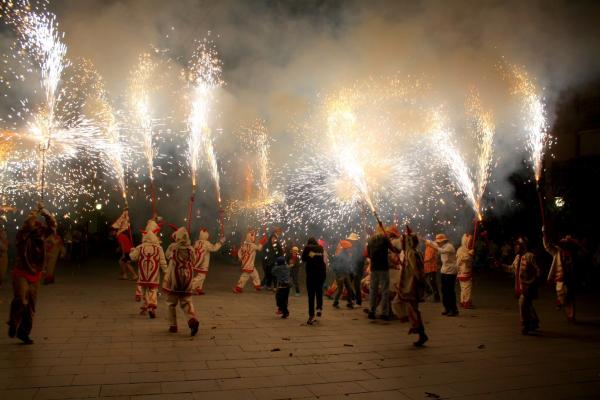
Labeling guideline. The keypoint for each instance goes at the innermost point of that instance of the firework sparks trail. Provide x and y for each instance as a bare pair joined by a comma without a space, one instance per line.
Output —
205,78
41,39
484,130
140,100
534,116
265,205
341,126
140,97
452,159
262,144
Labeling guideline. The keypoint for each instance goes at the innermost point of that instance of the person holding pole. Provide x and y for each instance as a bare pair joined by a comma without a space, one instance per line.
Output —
448,271
527,275
562,272
464,261
377,248
29,265
203,247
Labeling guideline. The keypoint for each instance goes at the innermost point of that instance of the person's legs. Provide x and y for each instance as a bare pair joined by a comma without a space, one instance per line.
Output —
172,300
349,289
145,296
131,270
319,296
278,298
310,290
446,281
465,293
285,293
375,277
385,292
138,292
18,304
255,279
294,275
185,302
242,282
23,308
339,281
452,294
433,276
357,288
152,301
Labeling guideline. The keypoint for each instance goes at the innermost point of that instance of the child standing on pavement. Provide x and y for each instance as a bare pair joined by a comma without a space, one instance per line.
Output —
281,271
294,263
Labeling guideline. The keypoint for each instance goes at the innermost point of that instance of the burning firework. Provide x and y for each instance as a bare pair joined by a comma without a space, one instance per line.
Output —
534,117
140,97
204,78
483,123
41,40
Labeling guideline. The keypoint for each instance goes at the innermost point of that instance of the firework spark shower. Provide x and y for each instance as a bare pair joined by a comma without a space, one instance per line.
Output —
359,105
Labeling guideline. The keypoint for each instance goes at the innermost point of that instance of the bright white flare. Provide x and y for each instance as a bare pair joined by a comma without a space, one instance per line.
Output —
204,78
534,116
140,97
483,122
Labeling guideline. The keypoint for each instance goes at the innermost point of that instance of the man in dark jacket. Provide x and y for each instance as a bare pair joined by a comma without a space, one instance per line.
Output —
272,251
312,256
377,248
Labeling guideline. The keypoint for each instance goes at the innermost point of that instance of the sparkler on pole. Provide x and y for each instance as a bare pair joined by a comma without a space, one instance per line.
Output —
140,100
340,128
40,38
204,78
536,127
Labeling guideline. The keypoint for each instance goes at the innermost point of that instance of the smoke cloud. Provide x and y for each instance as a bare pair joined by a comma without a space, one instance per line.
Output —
281,57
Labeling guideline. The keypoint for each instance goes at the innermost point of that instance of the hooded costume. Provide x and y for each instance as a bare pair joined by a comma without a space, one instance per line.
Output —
29,265
247,256
202,249
150,260
464,262
411,288
153,227
54,250
527,275
177,282
562,272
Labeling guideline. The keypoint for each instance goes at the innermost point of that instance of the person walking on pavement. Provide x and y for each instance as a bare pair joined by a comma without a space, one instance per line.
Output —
448,271
314,262
378,248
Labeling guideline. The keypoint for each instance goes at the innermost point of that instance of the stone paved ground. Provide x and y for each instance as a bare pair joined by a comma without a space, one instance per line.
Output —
90,342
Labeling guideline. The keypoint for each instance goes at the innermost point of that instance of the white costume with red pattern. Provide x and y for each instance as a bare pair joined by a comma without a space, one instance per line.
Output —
203,248
150,260
177,282
247,256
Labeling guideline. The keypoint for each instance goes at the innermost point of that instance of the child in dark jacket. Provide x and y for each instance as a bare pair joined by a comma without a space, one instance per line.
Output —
281,272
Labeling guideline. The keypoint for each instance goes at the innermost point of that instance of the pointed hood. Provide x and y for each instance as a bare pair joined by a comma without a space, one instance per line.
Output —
182,237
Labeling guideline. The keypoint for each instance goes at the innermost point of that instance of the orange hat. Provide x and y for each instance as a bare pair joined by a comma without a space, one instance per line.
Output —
393,231
345,244
440,237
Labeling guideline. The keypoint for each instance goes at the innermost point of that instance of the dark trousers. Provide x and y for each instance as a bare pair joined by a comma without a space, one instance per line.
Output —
294,277
22,308
448,292
431,278
314,288
268,279
356,278
343,280
281,298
